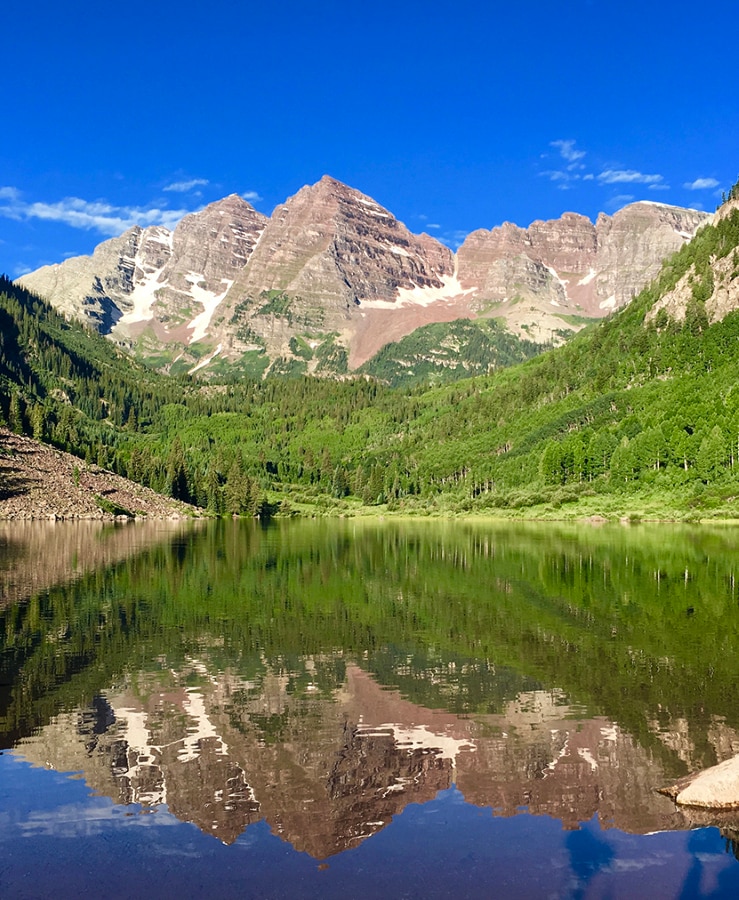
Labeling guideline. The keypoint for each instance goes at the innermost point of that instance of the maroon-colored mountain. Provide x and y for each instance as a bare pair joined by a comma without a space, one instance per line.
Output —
331,277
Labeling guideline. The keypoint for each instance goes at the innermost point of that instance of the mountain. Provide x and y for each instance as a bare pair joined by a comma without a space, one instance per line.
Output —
150,287
538,278
339,769
332,277
637,415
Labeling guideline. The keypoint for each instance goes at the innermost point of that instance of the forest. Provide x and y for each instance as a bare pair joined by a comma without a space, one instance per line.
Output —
635,416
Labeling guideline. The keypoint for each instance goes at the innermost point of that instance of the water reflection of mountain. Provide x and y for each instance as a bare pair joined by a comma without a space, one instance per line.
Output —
328,771
635,629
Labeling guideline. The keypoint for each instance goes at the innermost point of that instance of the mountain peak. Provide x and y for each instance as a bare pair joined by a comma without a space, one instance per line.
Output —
231,202
332,275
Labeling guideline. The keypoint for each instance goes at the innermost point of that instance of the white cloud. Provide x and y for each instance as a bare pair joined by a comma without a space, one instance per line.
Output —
563,180
567,150
88,215
251,196
557,175
701,184
659,187
182,187
425,219
627,176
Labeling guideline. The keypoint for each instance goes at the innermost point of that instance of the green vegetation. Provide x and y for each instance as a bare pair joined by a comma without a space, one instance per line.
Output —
634,416
449,351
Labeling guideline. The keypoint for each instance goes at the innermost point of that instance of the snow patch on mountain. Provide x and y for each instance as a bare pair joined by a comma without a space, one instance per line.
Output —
422,296
142,298
557,277
209,302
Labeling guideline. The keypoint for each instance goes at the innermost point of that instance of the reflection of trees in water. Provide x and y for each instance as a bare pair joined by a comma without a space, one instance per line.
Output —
731,836
460,617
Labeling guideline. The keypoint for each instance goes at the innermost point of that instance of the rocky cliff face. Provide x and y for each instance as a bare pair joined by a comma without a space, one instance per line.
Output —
327,257
332,277
169,283
538,278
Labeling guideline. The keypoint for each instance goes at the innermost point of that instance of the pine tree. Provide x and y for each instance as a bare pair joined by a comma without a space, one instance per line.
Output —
15,413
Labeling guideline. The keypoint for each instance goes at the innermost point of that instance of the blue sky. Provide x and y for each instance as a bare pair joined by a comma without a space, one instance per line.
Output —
454,116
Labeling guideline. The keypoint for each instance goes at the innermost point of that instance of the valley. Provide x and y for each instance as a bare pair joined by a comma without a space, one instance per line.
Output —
634,417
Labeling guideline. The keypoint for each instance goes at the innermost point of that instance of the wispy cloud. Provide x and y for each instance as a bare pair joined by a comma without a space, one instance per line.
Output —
627,176
183,187
563,180
575,170
252,196
570,173
701,184
87,215
567,150
425,224
619,200
453,239
659,187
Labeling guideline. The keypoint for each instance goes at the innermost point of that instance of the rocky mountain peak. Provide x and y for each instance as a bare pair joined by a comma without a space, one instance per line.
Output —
334,246
332,276
539,278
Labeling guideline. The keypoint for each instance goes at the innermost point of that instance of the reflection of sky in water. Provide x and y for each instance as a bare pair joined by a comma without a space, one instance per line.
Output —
442,848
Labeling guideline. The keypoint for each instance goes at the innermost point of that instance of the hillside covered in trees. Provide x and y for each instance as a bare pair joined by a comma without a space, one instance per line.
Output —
638,415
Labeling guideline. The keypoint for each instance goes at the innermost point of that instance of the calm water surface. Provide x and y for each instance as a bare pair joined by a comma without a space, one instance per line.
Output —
363,709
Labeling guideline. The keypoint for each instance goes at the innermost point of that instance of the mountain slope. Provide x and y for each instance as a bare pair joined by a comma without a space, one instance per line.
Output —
449,351
332,277
152,288
569,266
632,416
38,482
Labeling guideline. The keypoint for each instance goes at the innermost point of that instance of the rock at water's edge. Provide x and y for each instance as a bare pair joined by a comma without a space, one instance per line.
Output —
714,788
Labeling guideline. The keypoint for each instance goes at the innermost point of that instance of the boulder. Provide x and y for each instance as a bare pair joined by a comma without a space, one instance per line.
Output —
714,788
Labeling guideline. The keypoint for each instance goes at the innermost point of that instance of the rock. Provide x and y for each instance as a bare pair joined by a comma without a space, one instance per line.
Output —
152,277
539,275
332,276
716,788
41,483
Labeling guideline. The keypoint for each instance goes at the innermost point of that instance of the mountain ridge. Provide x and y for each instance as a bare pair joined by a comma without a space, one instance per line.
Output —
331,277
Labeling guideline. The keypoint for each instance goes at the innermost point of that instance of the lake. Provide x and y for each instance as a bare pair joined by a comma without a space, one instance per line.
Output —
364,709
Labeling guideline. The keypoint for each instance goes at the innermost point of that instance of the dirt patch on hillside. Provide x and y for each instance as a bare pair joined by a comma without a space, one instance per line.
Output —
39,482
